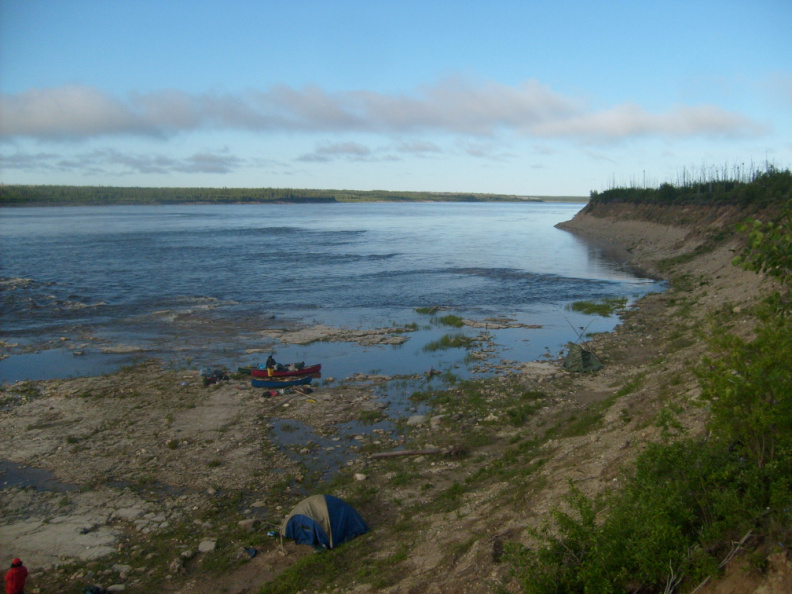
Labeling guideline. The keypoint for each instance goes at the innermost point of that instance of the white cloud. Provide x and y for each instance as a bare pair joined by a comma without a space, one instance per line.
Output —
327,152
453,106
418,147
65,111
108,161
630,120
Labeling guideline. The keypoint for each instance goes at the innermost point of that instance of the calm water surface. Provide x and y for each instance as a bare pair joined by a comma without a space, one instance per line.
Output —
195,284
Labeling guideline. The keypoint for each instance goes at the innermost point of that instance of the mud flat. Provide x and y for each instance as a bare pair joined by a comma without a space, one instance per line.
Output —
90,464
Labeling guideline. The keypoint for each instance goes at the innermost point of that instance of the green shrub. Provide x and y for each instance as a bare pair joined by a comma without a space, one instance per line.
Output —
749,389
684,503
673,519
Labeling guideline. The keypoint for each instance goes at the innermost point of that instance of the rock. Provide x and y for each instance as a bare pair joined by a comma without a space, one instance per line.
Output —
416,420
259,504
155,517
129,513
117,588
248,525
177,565
360,476
207,546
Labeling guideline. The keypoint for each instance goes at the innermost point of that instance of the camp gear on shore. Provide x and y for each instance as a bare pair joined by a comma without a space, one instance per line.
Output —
323,521
212,376
289,371
580,360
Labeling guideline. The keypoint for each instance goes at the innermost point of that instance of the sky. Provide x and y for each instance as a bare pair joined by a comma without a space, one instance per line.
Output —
531,98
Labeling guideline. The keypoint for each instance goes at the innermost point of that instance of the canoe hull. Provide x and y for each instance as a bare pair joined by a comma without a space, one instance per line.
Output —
284,383
264,373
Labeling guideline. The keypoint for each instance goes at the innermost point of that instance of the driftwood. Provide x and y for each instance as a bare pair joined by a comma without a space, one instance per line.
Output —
736,548
405,453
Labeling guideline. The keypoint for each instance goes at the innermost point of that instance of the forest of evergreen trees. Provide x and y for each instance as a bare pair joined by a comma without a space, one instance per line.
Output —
755,188
19,195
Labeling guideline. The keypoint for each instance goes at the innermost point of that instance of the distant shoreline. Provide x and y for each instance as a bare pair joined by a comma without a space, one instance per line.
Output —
45,196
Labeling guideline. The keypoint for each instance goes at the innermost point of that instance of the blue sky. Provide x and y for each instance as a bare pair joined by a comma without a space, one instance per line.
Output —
527,98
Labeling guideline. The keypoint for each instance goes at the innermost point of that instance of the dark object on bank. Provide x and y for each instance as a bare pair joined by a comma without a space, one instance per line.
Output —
580,360
212,376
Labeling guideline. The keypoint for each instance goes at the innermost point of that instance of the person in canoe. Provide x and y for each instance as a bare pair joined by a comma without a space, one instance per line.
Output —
271,365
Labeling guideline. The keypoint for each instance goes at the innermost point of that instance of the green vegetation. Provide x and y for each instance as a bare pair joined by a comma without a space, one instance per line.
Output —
369,417
769,251
314,572
685,503
727,185
427,310
603,307
450,341
449,499
528,403
451,320
17,195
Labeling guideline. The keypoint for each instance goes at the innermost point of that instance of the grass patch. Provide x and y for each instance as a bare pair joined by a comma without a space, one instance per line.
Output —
517,462
530,403
603,307
450,499
477,439
369,417
631,385
451,320
404,476
450,341
314,572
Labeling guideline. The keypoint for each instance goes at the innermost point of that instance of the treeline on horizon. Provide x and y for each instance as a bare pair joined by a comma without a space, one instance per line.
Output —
725,186
24,195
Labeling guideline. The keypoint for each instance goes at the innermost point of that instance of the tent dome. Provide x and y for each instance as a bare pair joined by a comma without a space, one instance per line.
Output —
323,520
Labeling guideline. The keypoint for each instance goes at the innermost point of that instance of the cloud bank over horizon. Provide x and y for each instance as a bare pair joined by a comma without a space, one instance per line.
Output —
525,98
454,107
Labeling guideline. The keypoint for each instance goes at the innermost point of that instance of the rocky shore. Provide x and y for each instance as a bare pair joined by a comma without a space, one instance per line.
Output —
154,480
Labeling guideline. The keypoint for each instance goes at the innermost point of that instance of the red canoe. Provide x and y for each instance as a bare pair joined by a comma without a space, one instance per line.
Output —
286,372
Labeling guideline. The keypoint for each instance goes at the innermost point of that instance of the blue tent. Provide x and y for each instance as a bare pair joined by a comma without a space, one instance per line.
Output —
323,520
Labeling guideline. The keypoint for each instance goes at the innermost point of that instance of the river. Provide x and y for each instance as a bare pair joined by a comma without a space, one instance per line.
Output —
86,289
